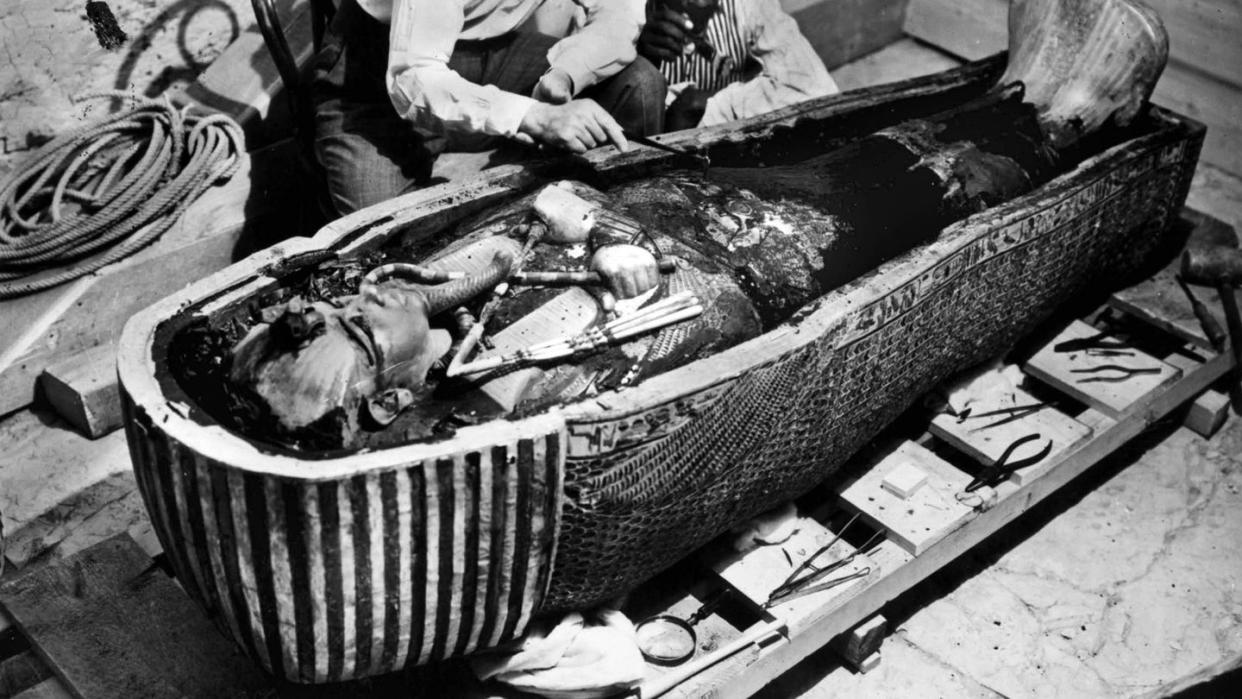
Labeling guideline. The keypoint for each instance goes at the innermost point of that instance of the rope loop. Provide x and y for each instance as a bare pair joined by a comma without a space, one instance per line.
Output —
101,192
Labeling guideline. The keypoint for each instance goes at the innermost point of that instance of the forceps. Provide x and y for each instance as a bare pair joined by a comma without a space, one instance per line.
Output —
795,587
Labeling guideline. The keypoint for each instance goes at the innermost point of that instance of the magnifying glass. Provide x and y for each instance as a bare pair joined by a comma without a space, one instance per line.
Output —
665,639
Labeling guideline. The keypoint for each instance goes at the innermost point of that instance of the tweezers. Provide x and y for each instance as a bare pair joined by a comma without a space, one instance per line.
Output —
1125,372
1003,468
795,587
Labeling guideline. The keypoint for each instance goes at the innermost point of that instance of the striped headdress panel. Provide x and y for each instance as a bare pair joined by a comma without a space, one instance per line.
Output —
725,33
345,578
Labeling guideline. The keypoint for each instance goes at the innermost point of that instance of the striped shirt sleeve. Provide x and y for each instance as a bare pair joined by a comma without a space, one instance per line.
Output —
791,71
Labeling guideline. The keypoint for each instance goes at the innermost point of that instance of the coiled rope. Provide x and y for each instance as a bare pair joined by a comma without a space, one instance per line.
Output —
100,193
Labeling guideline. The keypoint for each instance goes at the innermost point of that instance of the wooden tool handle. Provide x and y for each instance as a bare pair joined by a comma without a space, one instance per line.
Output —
1229,301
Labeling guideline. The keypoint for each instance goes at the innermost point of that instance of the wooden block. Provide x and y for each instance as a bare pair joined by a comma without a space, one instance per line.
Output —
112,624
1210,409
1057,369
905,480
759,571
929,515
986,444
82,389
47,689
860,646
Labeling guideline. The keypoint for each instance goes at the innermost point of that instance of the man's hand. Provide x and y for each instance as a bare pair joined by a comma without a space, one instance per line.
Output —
664,35
577,126
628,269
555,87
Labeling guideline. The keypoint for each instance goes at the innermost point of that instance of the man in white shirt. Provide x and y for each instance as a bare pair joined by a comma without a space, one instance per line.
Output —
397,80
747,58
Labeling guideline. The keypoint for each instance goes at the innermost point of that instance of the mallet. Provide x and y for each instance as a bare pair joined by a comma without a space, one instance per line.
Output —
1221,267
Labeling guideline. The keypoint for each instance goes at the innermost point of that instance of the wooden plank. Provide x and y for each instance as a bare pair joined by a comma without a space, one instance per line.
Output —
900,571
21,672
928,516
757,572
974,29
44,462
1064,371
82,389
111,624
986,445
98,512
47,689
251,207
843,30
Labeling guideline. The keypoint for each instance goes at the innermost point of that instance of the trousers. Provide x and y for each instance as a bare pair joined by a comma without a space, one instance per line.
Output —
370,154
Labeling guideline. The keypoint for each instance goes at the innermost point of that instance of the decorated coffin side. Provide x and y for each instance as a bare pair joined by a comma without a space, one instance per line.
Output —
344,564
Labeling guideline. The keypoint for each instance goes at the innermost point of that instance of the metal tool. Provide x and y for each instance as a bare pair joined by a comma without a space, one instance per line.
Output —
799,585
1003,468
1100,340
1007,415
1124,373
665,639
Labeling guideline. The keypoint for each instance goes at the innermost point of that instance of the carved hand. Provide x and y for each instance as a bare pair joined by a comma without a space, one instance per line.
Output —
629,269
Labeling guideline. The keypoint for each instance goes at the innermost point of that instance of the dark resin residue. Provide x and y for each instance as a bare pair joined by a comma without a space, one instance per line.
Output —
753,244
107,31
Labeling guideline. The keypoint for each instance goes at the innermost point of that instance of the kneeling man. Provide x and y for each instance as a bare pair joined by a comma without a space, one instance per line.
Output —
398,81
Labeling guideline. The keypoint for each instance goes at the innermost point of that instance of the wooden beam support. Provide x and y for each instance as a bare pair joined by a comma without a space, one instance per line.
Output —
110,623
860,646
